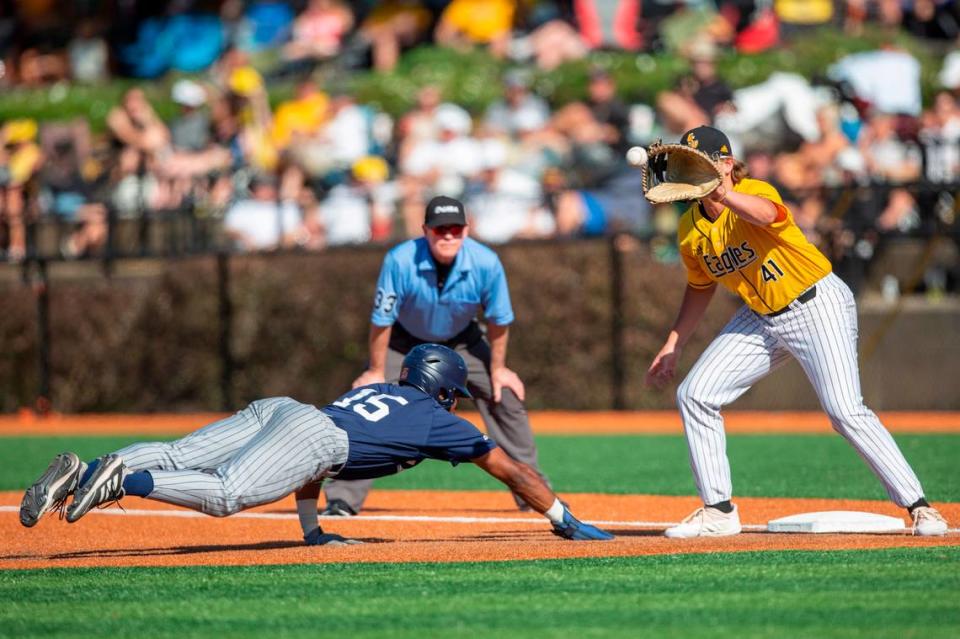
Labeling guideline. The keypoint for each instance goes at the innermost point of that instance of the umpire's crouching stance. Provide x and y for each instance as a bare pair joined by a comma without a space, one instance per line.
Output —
277,446
430,290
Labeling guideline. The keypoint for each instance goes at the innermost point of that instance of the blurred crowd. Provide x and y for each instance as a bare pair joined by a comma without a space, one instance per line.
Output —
322,169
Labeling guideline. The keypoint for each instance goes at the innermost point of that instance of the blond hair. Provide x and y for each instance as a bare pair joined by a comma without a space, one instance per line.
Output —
740,171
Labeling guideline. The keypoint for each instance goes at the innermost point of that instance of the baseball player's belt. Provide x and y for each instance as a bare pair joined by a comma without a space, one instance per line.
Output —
403,341
803,298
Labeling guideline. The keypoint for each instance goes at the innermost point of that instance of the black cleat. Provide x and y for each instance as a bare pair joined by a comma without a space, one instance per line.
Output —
338,508
104,486
50,492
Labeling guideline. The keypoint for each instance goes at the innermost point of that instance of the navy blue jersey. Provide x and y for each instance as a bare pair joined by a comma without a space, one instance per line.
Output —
393,427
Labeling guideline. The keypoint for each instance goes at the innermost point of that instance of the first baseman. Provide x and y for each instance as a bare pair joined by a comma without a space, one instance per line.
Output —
278,446
430,290
742,236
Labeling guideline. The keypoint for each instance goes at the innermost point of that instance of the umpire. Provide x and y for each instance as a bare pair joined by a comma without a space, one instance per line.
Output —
430,290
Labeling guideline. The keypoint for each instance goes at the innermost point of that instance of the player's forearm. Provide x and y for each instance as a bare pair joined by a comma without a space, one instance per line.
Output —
498,336
307,507
524,481
521,479
379,341
756,210
692,309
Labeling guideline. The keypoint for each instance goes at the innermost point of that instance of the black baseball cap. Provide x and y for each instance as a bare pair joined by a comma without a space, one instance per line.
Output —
711,141
443,210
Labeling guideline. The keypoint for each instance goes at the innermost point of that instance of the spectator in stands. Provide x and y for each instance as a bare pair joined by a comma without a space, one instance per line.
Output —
931,20
437,166
940,139
891,161
391,27
505,202
518,104
20,160
43,62
190,130
362,208
549,35
602,194
815,162
267,219
613,206
420,123
301,118
753,24
890,14
343,137
134,125
88,54
248,102
466,23
193,155
69,198
607,108
796,16
319,32
699,96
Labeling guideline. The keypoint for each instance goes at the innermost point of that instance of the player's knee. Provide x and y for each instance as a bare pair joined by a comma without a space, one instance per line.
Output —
223,507
687,393
847,416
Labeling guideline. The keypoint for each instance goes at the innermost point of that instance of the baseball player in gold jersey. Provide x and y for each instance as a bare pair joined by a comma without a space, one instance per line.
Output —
744,238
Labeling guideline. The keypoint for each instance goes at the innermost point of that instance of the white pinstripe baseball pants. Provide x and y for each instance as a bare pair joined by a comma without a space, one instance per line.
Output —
822,336
256,456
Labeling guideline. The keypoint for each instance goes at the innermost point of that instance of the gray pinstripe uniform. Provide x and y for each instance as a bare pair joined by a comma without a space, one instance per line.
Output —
259,455
822,335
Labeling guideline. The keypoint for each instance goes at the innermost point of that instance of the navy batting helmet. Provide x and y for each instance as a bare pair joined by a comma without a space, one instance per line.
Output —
436,370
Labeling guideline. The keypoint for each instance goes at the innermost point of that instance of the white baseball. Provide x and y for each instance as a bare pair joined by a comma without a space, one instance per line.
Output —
637,156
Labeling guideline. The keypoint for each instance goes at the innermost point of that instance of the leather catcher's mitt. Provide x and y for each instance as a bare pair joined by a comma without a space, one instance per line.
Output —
676,172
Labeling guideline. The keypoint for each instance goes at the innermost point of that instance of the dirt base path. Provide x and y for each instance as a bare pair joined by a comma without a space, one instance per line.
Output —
405,526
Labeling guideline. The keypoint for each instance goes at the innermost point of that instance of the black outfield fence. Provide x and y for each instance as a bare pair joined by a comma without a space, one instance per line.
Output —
214,331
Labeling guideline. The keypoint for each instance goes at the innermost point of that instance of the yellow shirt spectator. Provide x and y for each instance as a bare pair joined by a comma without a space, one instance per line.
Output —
303,116
804,11
482,21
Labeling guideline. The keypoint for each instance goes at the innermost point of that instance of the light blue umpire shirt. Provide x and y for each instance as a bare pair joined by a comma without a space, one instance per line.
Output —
407,290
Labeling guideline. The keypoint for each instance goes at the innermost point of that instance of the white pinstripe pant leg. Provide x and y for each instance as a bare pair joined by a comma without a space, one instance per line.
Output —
206,448
743,353
295,446
822,334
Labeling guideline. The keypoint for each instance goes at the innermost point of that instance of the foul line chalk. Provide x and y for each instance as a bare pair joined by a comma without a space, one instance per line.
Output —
538,521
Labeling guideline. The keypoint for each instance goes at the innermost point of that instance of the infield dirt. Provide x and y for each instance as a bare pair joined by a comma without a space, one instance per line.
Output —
407,526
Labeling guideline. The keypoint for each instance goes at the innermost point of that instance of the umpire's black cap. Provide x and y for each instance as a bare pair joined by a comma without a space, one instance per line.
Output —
443,210
711,141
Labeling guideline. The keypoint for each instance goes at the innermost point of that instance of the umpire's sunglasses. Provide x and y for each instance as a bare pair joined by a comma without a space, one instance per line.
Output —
456,230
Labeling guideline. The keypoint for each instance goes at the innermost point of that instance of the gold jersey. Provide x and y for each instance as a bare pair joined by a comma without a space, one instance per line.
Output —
767,266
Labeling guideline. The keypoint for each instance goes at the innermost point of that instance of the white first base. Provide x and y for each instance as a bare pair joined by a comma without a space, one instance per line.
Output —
836,521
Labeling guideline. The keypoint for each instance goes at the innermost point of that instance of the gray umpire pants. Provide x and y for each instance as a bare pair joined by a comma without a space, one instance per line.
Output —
506,422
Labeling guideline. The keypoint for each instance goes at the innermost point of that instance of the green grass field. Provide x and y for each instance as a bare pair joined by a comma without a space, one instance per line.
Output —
763,465
879,593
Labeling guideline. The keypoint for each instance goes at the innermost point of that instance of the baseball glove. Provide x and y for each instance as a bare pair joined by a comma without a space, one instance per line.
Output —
675,172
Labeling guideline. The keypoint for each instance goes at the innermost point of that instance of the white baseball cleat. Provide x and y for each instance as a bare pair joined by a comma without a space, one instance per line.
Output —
927,522
706,522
